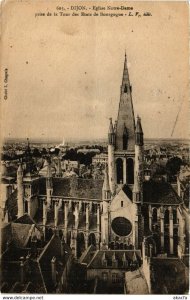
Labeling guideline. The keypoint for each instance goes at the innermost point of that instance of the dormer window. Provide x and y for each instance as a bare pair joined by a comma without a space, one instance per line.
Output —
125,89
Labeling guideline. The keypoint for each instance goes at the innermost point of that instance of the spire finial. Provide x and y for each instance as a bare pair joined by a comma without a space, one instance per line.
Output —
125,57
111,130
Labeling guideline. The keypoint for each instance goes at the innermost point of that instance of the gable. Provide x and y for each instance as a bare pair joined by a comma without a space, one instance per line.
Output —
122,206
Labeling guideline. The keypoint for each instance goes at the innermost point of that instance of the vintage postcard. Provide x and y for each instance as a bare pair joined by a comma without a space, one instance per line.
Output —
94,148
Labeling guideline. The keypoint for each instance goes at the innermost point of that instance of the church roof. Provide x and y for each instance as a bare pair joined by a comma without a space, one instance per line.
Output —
159,193
75,188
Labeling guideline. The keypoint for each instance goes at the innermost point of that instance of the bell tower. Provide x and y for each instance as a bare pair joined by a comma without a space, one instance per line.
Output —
125,170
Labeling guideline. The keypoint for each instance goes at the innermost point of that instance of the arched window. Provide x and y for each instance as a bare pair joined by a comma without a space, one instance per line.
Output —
166,217
92,240
154,215
175,216
119,168
68,238
125,139
60,234
130,171
26,206
80,244
175,237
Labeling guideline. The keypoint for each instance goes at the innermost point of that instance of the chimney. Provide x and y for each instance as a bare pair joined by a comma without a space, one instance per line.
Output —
53,270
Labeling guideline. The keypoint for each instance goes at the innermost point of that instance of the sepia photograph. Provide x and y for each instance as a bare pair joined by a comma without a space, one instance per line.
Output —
94,148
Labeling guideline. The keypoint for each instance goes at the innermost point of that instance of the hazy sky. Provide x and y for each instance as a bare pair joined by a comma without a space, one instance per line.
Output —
65,72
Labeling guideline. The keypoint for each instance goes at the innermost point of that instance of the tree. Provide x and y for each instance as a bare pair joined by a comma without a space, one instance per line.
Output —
173,165
36,152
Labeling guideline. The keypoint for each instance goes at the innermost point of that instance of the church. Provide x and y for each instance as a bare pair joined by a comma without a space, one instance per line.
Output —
115,213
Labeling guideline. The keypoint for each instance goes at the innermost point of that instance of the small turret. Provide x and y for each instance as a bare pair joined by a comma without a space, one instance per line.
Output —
58,168
49,184
138,171
111,163
115,126
49,172
106,187
20,191
139,133
106,197
19,172
111,134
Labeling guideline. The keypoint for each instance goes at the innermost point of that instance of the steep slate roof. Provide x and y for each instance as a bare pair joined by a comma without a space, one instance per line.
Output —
96,262
169,276
38,269
159,193
21,233
26,219
10,272
127,191
53,249
74,187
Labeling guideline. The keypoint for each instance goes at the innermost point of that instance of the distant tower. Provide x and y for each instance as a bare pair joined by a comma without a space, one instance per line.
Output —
49,184
106,197
20,191
111,160
138,185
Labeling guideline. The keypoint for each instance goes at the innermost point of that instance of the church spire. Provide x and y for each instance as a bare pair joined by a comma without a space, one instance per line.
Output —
125,117
125,79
